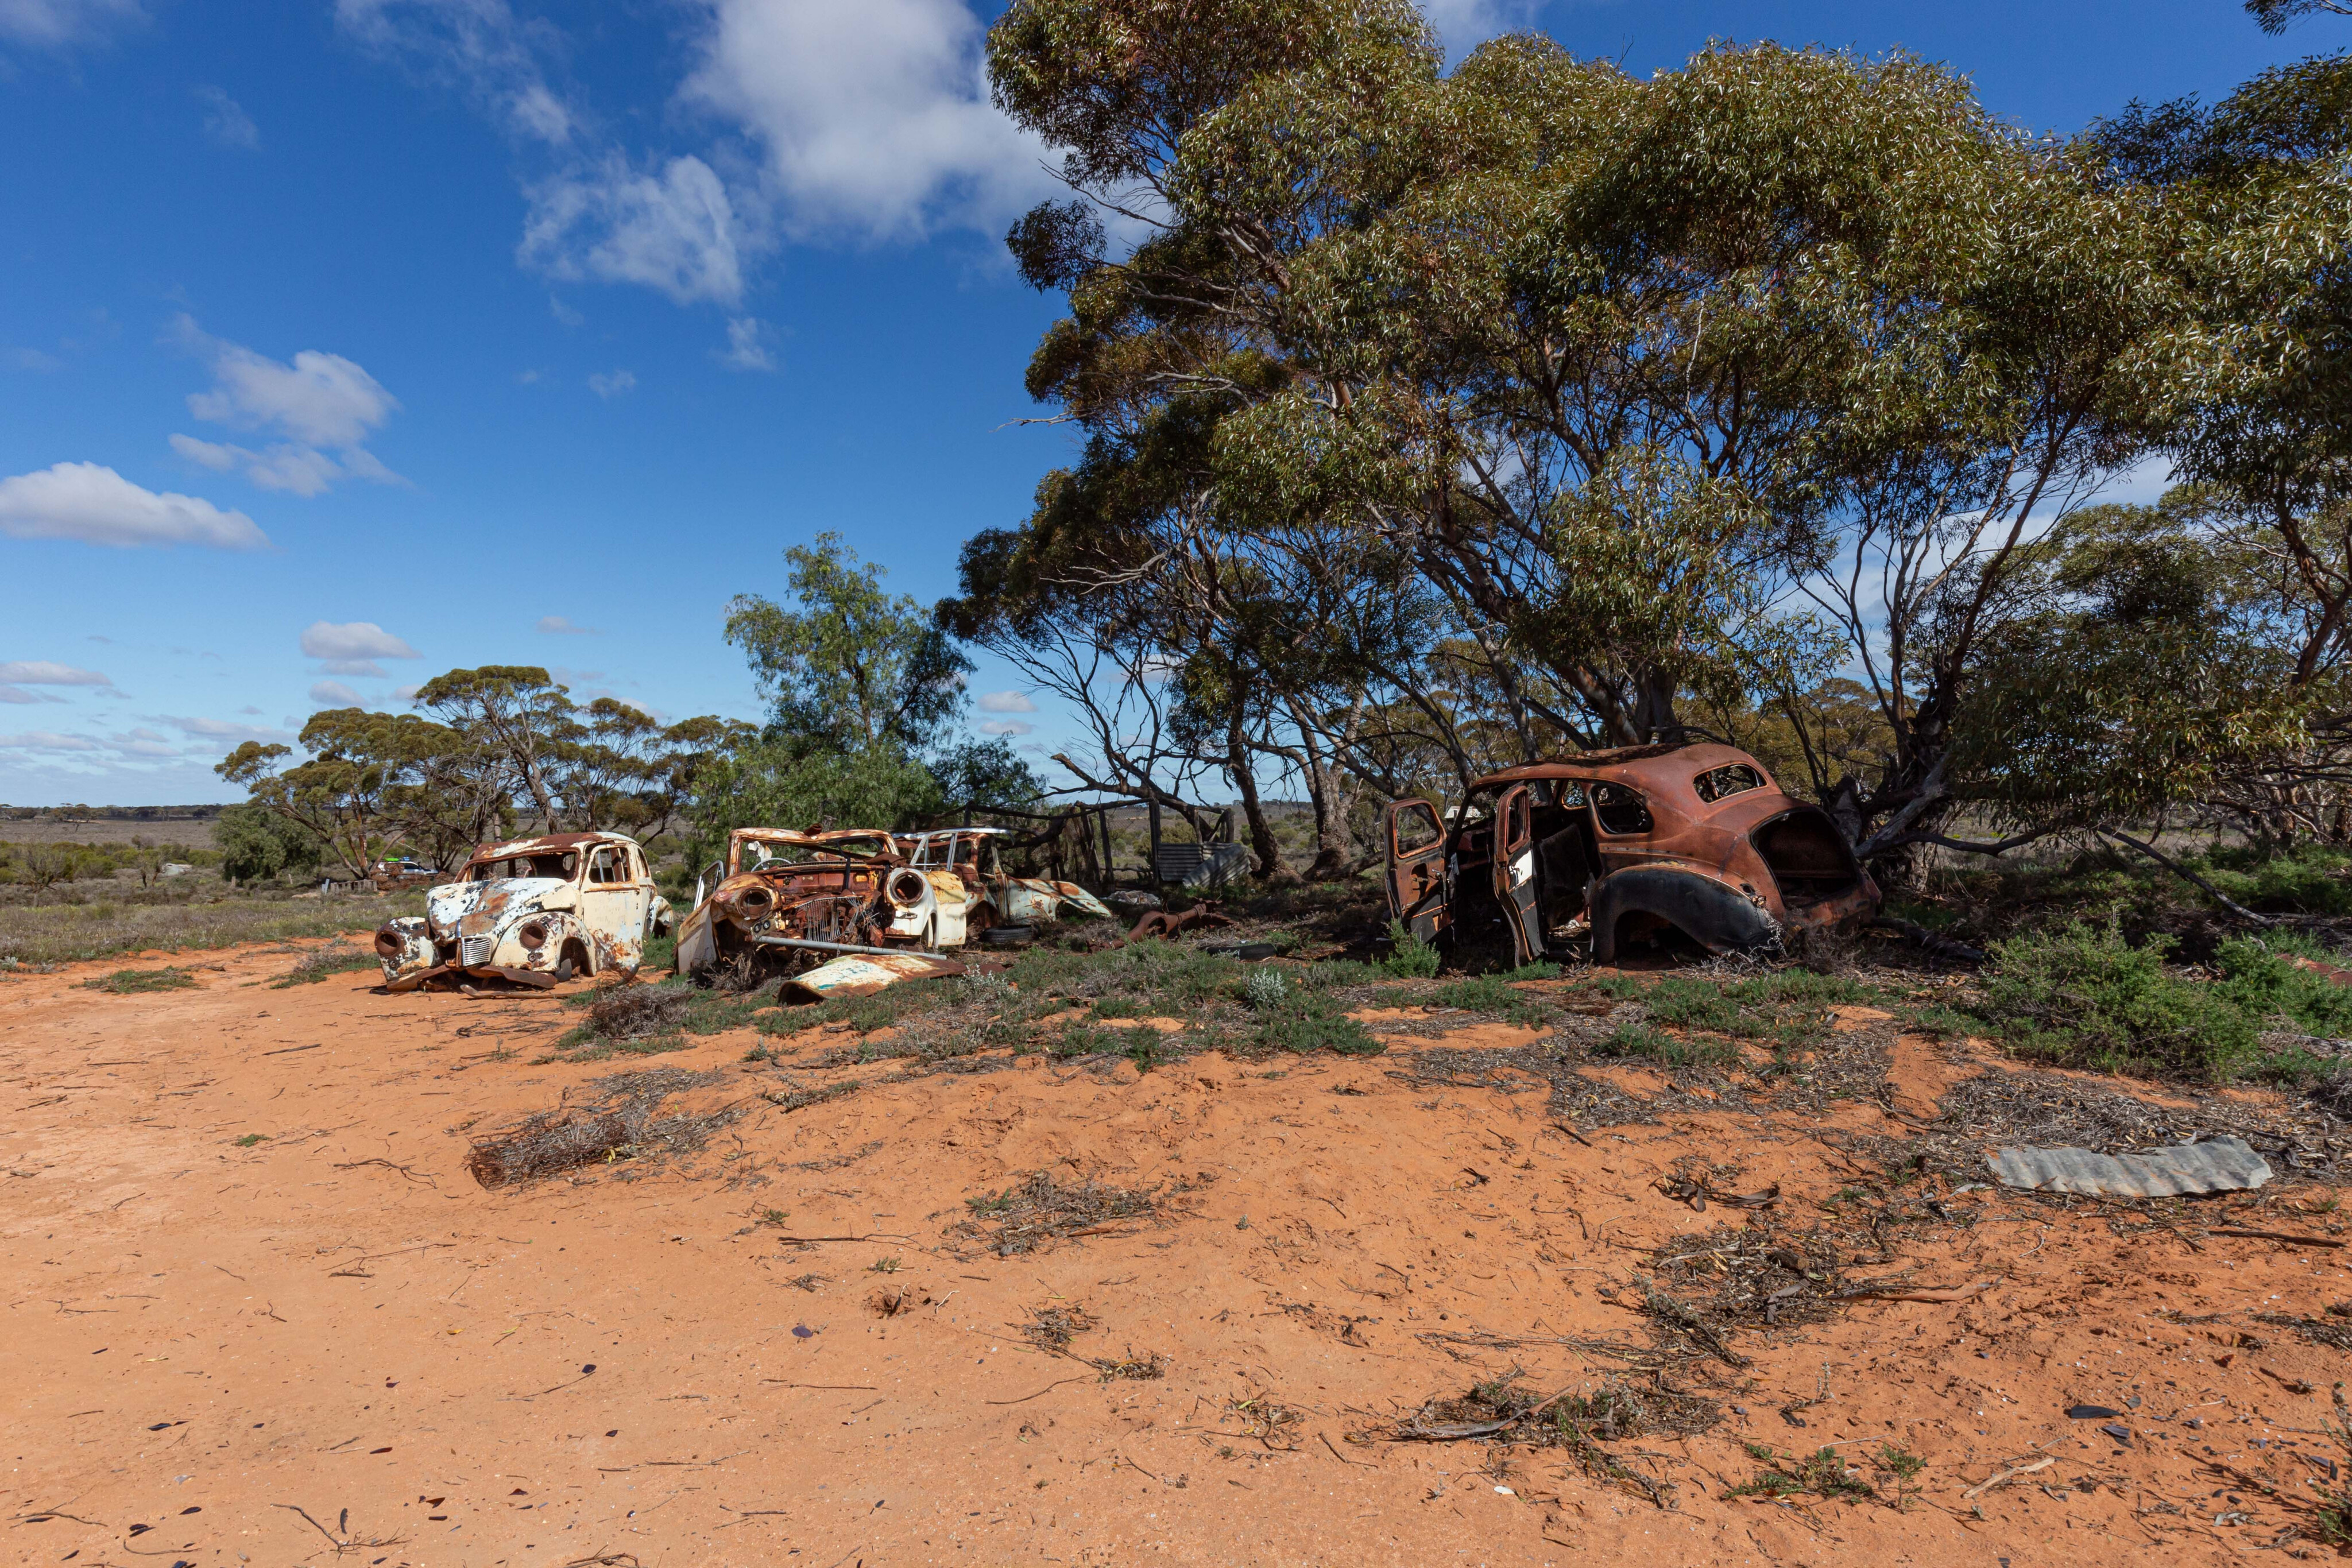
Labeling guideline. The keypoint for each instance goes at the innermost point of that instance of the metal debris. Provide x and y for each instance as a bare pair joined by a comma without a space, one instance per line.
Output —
853,975
2217,1164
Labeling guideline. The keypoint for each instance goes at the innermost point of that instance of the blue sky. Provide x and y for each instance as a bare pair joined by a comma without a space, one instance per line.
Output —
346,341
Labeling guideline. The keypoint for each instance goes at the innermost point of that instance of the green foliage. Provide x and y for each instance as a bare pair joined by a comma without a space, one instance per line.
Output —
1642,1041
1409,957
1822,1473
131,982
327,962
250,1139
257,844
2082,996
1498,994
1310,1025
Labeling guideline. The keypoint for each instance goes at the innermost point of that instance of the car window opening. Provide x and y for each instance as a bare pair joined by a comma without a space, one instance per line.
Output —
1622,810
1724,782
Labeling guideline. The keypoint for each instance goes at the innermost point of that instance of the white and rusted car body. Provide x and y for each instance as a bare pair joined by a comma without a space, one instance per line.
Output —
786,896
534,911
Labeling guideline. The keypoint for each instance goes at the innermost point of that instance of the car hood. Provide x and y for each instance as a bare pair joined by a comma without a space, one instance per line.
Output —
496,903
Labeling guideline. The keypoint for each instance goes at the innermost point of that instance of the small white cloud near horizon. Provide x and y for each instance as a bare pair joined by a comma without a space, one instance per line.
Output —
317,402
353,647
405,694
1003,726
93,504
214,729
746,348
225,120
610,385
48,673
334,693
562,626
54,24
1006,702
48,740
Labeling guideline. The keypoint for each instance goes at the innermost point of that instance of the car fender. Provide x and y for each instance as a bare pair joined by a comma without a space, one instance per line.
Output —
1715,913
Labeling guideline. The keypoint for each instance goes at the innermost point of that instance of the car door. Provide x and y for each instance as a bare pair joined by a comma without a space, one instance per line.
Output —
1415,846
612,906
1514,871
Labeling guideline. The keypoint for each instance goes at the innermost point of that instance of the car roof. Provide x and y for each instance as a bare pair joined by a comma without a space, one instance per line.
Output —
545,843
1667,764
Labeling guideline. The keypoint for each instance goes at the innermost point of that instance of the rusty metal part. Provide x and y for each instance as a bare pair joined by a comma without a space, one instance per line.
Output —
538,979
1626,843
1161,925
805,943
856,975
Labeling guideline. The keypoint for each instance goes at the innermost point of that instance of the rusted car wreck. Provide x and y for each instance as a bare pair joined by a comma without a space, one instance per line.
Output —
883,906
535,912
1627,847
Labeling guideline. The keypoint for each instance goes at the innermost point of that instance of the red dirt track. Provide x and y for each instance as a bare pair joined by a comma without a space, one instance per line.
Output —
334,1346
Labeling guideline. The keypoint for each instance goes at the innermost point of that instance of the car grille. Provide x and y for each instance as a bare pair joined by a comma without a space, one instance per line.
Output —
474,950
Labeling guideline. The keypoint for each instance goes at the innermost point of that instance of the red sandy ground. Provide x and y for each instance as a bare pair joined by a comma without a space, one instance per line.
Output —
204,1339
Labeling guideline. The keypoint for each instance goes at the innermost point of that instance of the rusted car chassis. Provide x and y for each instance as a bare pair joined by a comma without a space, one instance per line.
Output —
783,898
1624,848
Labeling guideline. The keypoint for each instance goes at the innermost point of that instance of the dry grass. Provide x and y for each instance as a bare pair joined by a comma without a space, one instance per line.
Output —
130,982
33,935
620,1125
1041,1209
338,959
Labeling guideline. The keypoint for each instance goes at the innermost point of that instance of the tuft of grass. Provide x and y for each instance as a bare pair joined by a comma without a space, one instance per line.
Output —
250,1139
325,963
1821,1473
1640,1040
1409,958
1498,994
131,982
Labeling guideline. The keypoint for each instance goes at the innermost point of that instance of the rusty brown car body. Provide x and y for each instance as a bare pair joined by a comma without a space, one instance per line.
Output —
1628,846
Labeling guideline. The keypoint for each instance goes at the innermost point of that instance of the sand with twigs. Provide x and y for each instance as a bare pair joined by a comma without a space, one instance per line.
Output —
260,1313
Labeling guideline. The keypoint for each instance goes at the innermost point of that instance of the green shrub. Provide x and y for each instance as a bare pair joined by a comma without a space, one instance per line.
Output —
1633,1039
128,982
1497,993
2082,996
1300,1030
1410,958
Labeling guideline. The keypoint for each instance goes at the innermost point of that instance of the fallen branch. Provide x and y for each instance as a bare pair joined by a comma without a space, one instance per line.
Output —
2001,1477
1916,1292
2273,1236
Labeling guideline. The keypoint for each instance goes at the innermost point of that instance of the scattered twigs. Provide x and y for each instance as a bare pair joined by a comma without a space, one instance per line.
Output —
2273,1236
2004,1476
405,1172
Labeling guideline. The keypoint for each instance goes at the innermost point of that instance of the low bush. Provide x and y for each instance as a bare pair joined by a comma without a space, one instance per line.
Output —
2082,996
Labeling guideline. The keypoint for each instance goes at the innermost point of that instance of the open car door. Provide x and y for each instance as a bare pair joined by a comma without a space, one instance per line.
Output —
1416,841
1514,868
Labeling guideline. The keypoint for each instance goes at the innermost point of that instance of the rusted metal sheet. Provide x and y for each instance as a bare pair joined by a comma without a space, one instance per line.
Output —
861,975
2217,1164
1623,845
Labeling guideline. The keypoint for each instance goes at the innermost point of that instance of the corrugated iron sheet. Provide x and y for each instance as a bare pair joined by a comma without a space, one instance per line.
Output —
2217,1164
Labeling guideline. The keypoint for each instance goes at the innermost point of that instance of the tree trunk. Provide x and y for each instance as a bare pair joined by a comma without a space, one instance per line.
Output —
1263,844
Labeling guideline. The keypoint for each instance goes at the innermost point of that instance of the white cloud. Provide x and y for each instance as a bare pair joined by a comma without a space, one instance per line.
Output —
1006,702
95,505
674,231
562,626
334,693
609,387
35,359
405,694
874,118
320,401
1003,726
353,647
48,673
54,23
1463,25
142,742
564,314
746,348
214,729
48,740
225,120
480,46
18,695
